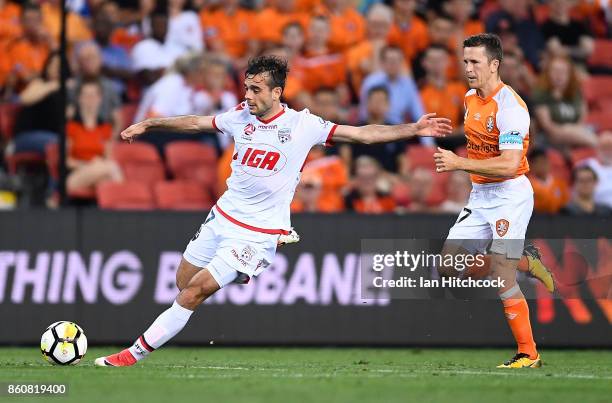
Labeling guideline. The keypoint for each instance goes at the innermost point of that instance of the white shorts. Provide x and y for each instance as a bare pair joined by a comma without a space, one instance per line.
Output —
497,212
230,252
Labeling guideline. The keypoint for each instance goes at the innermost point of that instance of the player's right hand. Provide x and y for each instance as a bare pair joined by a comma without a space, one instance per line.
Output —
134,131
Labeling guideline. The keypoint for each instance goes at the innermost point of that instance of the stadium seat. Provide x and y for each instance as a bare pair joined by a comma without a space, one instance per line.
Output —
602,54
421,156
598,92
8,112
124,196
601,120
52,157
182,195
558,164
139,162
580,154
192,160
128,112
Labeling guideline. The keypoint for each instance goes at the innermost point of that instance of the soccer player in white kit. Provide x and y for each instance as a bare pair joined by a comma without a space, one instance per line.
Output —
238,239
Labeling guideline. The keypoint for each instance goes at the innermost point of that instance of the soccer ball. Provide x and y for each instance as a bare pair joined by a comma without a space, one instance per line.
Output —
63,343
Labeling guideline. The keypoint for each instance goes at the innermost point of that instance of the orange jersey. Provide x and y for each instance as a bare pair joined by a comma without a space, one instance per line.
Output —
549,196
10,24
87,143
412,38
272,22
446,102
496,123
348,28
323,71
228,32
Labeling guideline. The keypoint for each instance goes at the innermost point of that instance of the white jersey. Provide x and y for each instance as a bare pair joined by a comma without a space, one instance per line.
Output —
267,162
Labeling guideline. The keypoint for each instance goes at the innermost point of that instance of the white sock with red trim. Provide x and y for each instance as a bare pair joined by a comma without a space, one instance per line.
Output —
166,326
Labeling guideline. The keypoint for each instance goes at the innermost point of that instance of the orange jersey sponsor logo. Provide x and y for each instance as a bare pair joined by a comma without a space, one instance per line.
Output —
503,112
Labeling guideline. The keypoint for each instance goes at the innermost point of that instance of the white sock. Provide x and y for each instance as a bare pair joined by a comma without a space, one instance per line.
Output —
166,326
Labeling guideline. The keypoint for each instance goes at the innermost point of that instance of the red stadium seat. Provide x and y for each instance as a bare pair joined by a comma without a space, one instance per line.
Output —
602,120
124,196
192,160
139,162
182,195
558,164
602,54
128,112
598,92
580,154
8,113
421,156
52,156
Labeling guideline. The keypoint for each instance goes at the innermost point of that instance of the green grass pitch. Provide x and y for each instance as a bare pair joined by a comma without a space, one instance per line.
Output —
270,375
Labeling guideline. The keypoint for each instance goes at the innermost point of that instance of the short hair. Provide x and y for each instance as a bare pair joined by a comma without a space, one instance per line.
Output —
292,24
584,167
325,90
378,88
30,6
90,81
390,48
436,46
275,66
491,43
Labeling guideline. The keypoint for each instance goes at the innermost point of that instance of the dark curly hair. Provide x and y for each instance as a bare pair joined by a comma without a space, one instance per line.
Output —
276,67
491,43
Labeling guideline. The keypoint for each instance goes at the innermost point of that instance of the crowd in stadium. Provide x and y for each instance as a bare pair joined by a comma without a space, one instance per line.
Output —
351,61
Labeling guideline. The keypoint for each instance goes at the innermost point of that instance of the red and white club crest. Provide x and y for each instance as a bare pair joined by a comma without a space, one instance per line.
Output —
249,129
501,226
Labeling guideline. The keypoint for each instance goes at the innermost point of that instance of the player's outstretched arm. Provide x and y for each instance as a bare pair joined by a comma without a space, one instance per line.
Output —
185,124
428,125
504,165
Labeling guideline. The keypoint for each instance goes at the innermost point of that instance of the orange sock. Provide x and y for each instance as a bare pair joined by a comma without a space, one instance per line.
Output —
517,315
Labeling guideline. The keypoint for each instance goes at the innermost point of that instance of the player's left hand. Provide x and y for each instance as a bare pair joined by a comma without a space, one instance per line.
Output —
446,160
430,125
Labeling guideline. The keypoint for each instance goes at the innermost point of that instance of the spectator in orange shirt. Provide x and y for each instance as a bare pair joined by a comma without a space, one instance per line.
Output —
347,25
308,194
442,96
76,27
366,196
271,21
549,192
321,67
88,142
441,30
25,56
228,30
409,31
462,12
333,176
364,58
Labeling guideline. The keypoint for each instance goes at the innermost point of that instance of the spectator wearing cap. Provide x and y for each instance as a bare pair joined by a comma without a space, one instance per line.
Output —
583,199
549,192
602,165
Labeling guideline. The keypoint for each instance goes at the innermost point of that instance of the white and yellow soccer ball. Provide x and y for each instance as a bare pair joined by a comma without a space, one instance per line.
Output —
63,343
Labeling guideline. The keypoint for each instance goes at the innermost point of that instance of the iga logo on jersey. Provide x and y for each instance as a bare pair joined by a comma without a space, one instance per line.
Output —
260,159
